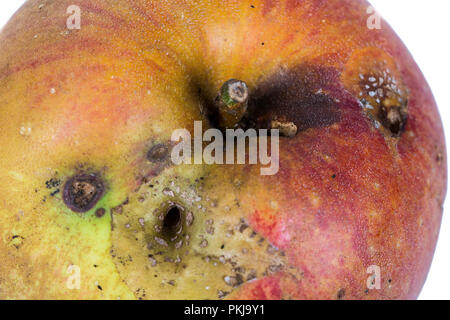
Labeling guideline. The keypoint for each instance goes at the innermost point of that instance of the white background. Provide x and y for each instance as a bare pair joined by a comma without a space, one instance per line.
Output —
424,26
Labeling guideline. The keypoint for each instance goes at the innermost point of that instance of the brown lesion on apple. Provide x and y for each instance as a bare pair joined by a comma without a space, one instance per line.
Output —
295,100
158,153
341,294
175,234
384,100
53,185
242,267
82,191
439,154
152,161
16,241
374,79
291,100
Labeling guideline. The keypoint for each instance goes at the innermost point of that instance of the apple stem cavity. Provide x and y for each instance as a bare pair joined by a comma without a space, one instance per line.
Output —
232,103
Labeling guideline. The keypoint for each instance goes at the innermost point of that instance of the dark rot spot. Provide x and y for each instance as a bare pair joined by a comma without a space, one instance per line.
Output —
82,192
100,212
384,99
341,294
17,241
296,100
439,157
52,183
158,153
375,80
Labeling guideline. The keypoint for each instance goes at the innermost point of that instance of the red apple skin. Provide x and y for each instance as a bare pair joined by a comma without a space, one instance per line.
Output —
348,195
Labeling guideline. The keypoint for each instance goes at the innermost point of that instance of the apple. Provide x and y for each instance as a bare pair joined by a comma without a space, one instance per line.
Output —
93,207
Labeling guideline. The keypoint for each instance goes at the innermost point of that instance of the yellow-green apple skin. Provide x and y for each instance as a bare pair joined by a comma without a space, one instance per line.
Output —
361,184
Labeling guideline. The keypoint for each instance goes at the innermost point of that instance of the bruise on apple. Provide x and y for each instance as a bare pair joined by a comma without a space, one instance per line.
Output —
153,158
374,79
296,100
82,192
158,153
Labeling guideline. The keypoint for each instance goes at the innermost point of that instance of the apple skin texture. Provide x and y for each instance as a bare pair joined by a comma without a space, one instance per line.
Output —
351,192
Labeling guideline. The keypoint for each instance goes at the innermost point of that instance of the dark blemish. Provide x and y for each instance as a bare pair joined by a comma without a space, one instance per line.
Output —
251,275
262,43
95,266
82,192
158,153
239,270
234,281
298,97
52,183
333,176
54,193
252,6
384,99
222,294
100,212
117,210
390,281
222,247
17,241
243,226
275,268
341,294
99,287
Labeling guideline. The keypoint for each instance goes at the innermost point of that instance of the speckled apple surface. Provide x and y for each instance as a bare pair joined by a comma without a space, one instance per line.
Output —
361,184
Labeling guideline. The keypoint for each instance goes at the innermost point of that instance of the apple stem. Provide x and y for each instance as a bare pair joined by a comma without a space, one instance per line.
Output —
232,103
